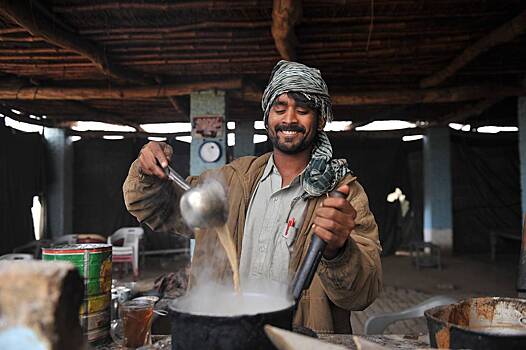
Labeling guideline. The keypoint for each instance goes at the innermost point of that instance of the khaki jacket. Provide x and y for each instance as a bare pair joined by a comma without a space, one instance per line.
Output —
351,281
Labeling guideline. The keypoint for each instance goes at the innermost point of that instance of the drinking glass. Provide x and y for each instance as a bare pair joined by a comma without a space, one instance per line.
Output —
133,328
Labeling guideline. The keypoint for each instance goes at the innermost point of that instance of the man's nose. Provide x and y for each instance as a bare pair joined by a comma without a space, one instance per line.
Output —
290,116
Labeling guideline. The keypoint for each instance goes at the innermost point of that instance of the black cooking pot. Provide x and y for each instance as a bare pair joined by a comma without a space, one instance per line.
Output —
202,331
479,323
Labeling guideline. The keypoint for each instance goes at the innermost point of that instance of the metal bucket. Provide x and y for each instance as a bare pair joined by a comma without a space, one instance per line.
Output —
93,261
479,323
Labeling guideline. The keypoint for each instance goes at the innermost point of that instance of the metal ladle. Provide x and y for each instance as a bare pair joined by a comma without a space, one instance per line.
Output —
203,206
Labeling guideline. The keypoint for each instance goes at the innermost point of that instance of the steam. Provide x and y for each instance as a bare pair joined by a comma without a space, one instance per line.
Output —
212,297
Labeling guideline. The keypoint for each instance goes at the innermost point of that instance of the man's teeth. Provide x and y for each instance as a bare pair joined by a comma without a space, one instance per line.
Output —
289,132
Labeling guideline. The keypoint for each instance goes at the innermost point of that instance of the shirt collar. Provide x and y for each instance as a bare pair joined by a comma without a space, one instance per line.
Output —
271,167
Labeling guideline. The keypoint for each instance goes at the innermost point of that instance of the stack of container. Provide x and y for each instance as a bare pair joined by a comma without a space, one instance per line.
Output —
93,262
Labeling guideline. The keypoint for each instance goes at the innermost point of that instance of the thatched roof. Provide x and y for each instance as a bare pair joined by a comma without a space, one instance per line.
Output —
136,61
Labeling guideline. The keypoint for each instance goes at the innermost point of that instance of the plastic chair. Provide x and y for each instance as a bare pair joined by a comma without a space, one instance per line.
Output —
378,323
65,239
17,256
129,252
425,254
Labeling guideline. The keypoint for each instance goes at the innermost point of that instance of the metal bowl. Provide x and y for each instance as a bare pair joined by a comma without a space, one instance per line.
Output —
479,323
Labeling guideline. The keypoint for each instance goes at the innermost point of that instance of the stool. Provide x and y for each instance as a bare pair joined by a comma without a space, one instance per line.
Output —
425,254
127,260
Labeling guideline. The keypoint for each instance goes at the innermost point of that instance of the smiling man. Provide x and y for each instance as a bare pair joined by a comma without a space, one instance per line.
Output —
277,202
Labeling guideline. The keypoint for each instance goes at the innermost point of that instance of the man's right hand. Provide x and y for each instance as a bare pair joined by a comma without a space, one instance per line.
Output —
154,157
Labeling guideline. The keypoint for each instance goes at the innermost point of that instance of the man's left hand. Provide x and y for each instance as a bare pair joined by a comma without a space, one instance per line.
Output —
334,221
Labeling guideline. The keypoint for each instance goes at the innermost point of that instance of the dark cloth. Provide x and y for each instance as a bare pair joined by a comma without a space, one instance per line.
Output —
22,176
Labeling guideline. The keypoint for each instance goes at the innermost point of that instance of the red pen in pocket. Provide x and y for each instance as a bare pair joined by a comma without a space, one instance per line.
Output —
290,224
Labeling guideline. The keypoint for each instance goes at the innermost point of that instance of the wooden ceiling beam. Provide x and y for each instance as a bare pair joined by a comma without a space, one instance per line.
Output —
505,33
468,111
409,97
100,134
24,118
160,6
109,117
54,120
39,25
114,92
177,106
285,15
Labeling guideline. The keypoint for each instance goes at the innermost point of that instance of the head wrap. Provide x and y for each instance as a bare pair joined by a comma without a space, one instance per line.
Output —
322,173
296,77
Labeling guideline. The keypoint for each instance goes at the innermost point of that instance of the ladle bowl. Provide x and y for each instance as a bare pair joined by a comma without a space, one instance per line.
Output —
203,206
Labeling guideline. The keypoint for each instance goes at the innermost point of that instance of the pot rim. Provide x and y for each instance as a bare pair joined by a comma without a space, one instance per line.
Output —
289,304
429,314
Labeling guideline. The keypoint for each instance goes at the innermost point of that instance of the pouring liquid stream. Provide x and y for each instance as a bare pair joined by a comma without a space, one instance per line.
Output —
228,244
227,241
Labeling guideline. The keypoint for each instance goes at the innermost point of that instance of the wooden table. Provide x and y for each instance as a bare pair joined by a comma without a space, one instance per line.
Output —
164,342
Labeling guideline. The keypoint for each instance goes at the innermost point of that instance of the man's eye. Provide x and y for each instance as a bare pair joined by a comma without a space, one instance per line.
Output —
302,111
279,111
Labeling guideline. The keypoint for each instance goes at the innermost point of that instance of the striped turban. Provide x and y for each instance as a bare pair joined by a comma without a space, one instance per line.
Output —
296,77
322,173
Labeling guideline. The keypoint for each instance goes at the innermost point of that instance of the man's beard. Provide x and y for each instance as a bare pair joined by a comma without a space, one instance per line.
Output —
288,148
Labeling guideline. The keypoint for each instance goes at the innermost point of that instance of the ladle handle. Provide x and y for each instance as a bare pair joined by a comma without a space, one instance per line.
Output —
309,265
175,177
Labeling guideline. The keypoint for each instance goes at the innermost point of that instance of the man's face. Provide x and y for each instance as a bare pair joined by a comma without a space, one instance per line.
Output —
292,125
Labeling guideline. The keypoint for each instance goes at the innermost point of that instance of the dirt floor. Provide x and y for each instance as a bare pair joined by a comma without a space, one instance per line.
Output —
466,275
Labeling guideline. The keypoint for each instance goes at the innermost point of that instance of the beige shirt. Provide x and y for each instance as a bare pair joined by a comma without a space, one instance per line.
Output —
274,215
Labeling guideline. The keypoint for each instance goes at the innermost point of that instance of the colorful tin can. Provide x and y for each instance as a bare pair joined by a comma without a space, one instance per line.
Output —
93,262
95,303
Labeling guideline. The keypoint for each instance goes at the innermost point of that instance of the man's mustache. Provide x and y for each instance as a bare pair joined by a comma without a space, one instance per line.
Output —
289,127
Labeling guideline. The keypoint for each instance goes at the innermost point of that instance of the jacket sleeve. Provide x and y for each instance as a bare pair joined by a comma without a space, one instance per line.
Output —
154,202
353,279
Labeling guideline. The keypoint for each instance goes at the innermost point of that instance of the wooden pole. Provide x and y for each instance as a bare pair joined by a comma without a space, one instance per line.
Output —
285,15
469,111
409,97
159,6
503,34
113,93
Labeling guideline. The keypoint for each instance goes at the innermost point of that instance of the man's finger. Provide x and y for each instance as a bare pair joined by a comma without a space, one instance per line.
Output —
329,225
330,213
167,149
324,234
151,164
158,153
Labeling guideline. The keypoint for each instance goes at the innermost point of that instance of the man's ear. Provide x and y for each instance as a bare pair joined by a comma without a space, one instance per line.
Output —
321,123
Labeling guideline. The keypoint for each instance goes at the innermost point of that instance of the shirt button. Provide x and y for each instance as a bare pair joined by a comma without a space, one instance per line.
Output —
275,199
261,249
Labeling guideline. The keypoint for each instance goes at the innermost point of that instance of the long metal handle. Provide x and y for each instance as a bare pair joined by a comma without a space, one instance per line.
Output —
305,274
175,177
